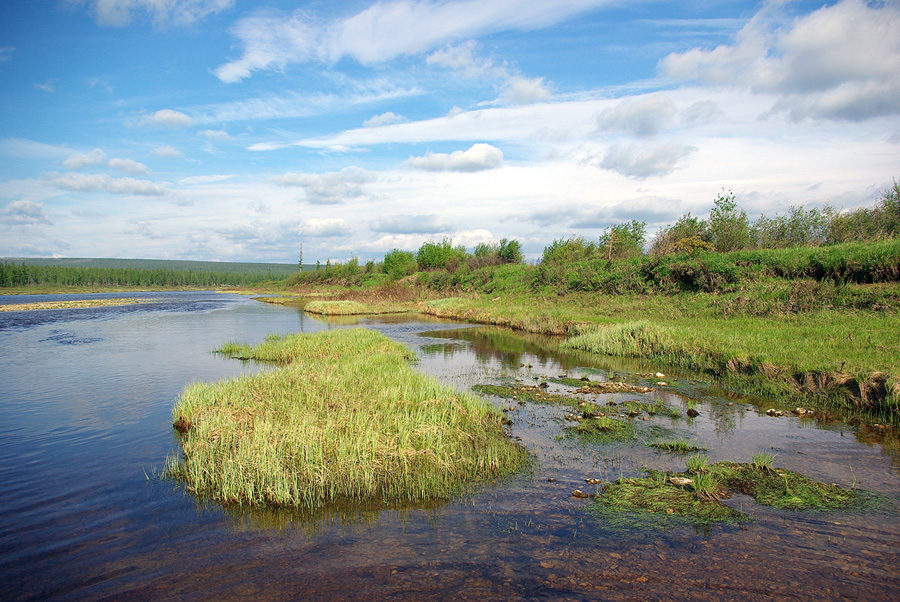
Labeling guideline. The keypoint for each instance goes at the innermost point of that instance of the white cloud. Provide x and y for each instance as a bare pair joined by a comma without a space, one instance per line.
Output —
462,58
304,104
47,86
167,151
521,90
839,62
128,166
702,111
167,118
91,183
24,213
411,224
82,160
215,134
638,161
6,53
644,117
478,158
388,118
211,179
384,30
323,228
328,188
162,13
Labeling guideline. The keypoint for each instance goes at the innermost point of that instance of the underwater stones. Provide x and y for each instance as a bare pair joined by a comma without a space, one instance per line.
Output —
578,493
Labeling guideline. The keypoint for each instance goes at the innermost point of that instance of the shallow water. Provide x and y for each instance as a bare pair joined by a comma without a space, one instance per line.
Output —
85,426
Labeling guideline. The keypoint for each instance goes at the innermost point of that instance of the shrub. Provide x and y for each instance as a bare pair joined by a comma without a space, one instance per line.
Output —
443,255
398,264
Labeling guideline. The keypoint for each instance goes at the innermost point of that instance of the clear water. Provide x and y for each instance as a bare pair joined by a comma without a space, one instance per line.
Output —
85,427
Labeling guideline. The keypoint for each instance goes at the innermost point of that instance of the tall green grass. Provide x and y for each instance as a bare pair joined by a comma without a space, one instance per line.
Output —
346,418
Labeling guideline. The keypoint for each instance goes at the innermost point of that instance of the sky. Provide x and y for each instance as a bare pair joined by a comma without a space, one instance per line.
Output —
238,130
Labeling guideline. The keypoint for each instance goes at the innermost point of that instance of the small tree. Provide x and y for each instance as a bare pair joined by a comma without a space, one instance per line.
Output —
624,240
398,264
300,259
510,251
729,227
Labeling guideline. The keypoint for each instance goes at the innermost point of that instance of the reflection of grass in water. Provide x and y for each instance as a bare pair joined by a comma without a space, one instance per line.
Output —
696,495
345,418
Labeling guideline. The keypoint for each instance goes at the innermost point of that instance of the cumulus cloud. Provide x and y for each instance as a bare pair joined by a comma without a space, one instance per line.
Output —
162,13
839,62
383,31
383,119
82,160
644,117
101,182
324,228
479,157
128,166
167,151
24,213
411,224
328,188
637,161
167,118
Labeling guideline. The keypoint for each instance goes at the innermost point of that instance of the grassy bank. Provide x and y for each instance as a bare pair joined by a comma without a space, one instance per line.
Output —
345,417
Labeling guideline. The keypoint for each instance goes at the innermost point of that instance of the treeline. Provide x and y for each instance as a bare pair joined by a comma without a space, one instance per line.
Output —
711,254
20,274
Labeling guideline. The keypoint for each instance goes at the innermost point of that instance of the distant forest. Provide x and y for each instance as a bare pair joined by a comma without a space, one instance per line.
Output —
137,272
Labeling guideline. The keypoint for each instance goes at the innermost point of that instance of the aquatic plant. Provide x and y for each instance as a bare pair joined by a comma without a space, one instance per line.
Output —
697,463
681,446
344,418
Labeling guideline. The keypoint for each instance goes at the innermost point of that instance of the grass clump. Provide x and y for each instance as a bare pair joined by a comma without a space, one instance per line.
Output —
679,446
697,463
697,494
781,488
345,418
661,497
604,429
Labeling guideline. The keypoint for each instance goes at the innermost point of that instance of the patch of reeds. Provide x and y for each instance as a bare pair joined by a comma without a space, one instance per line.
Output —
345,418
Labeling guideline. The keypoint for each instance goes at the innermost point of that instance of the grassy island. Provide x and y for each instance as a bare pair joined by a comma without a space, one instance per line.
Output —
344,417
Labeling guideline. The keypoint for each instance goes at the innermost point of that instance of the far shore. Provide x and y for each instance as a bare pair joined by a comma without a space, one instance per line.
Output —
69,304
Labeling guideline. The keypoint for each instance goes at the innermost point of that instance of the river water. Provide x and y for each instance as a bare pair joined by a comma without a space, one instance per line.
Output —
85,427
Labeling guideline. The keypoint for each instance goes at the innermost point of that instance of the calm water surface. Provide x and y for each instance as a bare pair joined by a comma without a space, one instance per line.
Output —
85,427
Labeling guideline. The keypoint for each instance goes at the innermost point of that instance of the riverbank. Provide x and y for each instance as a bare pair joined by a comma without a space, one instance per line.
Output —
80,303
837,358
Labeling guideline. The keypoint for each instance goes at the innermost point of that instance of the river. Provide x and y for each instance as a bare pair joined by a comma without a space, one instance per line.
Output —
85,428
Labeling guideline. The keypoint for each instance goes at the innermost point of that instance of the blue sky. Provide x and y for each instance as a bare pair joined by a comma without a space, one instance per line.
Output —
238,131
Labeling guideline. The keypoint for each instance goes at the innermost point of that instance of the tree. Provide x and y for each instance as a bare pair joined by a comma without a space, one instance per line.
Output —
729,227
300,258
624,240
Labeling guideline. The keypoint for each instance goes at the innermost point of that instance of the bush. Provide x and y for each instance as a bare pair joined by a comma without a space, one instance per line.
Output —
398,264
443,255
